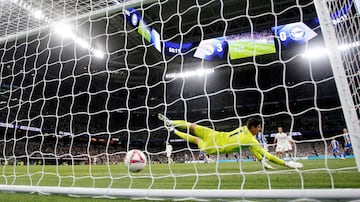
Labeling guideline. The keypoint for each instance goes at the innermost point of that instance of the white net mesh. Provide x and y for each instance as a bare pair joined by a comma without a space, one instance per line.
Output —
346,27
82,83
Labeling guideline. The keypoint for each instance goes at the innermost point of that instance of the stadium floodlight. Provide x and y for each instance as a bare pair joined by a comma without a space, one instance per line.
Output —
199,72
97,53
61,28
38,14
64,30
345,47
320,52
315,53
82,42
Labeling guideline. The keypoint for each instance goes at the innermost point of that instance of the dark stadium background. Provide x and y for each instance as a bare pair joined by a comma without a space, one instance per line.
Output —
50,84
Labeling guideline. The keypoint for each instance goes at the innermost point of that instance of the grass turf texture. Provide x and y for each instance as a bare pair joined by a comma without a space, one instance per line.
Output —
246,175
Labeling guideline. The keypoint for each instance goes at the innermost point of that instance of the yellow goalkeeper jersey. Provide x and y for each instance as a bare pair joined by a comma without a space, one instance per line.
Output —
227,142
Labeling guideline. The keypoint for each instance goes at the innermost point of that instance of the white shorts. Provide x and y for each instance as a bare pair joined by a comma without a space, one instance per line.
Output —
282,148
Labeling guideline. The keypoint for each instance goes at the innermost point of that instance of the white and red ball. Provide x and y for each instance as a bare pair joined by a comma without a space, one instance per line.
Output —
135,160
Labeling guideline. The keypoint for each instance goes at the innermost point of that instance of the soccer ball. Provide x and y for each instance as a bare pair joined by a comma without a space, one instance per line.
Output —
135,160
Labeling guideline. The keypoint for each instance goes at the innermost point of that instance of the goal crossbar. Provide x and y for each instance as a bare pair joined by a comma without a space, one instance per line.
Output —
189,193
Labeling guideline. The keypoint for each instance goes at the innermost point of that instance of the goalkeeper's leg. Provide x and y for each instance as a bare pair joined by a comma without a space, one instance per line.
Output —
190,138
197,130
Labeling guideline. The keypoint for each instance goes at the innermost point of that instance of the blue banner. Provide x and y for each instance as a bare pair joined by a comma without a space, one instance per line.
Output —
173,48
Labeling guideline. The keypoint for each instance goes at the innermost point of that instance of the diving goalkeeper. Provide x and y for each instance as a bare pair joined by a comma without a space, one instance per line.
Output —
214,142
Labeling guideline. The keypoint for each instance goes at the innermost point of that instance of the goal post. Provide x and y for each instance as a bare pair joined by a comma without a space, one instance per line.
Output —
82,83
343,70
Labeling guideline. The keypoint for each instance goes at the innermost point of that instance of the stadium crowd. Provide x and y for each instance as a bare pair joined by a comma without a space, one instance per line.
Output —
51,150
90,139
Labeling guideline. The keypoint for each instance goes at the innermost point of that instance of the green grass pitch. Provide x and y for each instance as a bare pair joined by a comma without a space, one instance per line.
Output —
246,175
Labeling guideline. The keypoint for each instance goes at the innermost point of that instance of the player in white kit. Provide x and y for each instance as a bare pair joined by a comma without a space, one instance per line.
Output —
282,143
168,151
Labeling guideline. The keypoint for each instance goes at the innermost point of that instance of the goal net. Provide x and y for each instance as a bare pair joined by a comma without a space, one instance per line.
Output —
83,82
